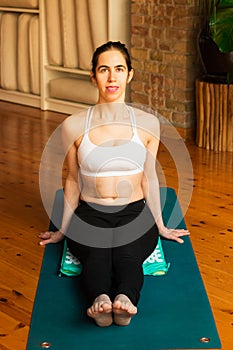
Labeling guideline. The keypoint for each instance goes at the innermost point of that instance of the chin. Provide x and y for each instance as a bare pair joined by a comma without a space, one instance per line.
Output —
114,99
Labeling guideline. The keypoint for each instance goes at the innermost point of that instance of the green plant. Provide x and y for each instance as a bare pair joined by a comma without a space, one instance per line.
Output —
217,27
221,23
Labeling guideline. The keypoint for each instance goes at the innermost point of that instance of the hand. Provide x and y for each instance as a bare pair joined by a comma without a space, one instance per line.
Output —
51,237
173,234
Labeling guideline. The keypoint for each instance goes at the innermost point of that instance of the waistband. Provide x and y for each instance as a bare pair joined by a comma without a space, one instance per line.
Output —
109,208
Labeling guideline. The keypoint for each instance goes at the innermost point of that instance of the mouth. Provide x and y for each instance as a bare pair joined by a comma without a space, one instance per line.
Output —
112,88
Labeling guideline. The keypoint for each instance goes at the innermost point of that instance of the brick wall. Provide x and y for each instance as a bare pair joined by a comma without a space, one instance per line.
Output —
164,56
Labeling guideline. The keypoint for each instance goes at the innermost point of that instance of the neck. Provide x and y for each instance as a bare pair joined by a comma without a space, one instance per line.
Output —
111,111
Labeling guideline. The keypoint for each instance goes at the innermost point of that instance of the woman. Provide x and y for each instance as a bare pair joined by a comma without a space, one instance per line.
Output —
112,187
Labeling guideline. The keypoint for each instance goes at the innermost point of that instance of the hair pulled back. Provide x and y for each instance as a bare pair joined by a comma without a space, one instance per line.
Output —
111,45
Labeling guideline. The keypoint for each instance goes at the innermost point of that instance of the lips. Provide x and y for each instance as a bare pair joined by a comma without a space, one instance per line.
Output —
112,88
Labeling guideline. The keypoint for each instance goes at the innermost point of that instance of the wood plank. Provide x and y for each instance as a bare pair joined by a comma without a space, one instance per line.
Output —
15,304
13,334
24,284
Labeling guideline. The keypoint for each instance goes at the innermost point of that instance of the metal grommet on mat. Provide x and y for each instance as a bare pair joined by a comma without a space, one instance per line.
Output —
45,345
204,340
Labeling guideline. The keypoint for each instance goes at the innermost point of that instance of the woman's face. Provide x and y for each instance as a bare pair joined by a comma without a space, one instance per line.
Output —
111,76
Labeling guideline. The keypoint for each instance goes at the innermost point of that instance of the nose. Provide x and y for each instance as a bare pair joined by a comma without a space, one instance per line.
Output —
112,75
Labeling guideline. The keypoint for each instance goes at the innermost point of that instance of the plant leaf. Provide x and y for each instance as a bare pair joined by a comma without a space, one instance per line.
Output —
221,29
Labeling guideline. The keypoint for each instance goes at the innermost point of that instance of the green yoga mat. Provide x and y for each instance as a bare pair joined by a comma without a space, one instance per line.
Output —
173,312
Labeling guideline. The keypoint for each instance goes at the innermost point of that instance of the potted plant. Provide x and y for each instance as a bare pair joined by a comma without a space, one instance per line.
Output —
216,39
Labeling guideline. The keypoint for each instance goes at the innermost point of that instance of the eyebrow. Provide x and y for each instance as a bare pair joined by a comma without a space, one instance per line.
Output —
117,66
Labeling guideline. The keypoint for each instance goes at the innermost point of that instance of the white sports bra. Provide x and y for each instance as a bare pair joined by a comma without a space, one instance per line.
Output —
121,160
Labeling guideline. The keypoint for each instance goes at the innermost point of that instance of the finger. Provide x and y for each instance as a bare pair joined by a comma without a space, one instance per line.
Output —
179,240
45,235
176,239
181,232
46,241
184,233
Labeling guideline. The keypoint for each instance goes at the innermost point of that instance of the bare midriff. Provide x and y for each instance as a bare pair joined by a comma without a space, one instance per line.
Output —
113,190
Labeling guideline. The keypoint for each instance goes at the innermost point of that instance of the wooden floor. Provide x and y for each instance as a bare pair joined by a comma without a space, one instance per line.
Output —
24,132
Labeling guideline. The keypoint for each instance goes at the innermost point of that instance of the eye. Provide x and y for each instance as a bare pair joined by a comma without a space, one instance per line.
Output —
120,69
103,70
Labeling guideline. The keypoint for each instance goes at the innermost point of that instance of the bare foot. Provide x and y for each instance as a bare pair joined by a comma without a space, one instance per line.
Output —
101,311
123,310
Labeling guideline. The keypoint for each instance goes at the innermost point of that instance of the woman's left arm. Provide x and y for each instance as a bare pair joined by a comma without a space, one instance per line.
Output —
151,190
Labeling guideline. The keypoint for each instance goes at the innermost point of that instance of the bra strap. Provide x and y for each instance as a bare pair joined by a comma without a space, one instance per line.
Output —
88,119
133,119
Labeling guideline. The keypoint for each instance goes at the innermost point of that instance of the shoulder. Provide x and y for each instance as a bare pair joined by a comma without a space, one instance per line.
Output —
75,121
147,122
73,127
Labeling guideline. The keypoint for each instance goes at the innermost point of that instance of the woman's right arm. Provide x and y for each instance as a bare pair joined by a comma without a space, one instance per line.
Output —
71,188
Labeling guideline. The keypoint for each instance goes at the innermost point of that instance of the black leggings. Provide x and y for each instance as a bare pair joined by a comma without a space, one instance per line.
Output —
115,269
